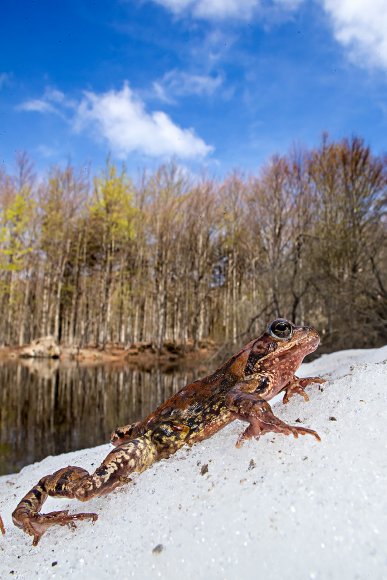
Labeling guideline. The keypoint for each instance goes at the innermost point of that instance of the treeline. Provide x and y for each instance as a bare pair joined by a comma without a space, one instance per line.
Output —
170,258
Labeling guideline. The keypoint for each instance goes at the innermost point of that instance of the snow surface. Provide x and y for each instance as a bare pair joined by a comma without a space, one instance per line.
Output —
279,508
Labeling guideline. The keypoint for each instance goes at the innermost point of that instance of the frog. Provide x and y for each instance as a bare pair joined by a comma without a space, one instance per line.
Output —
239,389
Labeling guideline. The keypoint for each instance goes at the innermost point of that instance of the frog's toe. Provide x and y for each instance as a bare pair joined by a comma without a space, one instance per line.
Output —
311,381
293,390
304,431
38,524
253,431
285,429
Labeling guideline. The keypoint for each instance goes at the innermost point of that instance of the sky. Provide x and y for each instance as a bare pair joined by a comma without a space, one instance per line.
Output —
213,84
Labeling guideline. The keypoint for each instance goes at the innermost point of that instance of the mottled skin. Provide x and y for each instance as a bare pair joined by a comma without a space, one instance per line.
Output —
239,389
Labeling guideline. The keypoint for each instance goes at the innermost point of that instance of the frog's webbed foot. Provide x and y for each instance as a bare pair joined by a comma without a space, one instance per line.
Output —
249,407
37,524
77,483
297,386
294,388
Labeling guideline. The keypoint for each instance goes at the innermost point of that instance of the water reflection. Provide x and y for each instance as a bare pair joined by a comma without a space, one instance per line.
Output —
48,408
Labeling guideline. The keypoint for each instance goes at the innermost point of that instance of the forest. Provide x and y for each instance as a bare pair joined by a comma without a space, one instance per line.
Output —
173,258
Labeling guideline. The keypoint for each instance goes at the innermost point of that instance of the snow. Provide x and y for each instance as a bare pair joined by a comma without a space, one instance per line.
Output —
279,508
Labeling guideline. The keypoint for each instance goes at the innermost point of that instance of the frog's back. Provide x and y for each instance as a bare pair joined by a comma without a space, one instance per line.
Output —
197,411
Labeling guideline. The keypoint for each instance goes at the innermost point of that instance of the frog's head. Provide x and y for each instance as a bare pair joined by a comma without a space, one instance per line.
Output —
282,347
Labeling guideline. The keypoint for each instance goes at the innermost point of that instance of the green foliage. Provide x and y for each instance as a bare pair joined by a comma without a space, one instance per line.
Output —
112,207
175,259
15,220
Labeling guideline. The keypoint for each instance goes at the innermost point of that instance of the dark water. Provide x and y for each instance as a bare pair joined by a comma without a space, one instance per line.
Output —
47,408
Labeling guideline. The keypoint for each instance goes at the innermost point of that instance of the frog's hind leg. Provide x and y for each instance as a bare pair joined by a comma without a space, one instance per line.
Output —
76,483
27,517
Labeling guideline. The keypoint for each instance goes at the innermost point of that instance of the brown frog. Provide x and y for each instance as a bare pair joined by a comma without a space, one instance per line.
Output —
240,389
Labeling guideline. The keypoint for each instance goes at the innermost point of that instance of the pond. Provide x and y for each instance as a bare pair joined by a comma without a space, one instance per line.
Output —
47,407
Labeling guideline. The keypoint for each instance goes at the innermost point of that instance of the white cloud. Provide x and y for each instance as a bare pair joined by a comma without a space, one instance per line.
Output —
361,26
223,9
49,103
37,105
213,9
122,120
180,84
177,6
55,96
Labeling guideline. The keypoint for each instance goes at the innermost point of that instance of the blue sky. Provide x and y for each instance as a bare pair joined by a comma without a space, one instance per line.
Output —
215,84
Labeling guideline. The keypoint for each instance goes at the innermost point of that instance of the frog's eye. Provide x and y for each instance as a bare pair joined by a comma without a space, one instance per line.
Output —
281,329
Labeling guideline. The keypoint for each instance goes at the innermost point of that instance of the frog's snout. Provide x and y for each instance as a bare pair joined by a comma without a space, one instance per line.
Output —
312,335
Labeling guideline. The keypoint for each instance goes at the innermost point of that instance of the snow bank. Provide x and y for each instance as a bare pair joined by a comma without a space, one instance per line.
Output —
279,508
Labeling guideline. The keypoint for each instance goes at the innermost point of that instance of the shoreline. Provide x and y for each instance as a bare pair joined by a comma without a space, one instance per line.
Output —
301,492
143,354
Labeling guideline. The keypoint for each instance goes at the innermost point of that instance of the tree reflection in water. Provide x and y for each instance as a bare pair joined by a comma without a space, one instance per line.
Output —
47,408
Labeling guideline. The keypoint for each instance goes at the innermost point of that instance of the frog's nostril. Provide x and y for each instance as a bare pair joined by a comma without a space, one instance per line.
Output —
308,329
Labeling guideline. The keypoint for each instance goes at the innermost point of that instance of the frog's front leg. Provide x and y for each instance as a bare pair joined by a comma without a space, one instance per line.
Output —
252,408
76,483
297,386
